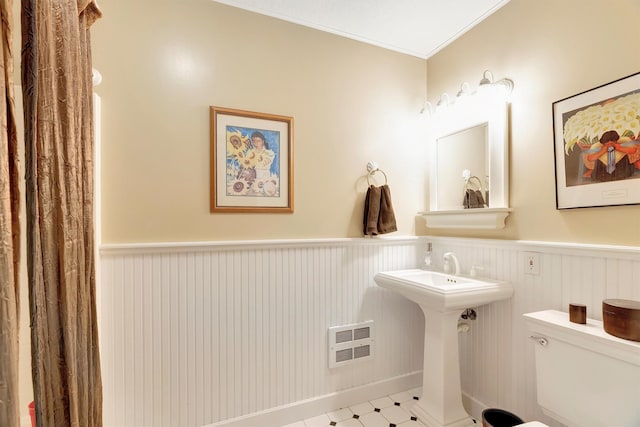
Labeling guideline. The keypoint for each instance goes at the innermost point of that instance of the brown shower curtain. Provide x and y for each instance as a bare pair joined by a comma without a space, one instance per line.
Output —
58,111
9,231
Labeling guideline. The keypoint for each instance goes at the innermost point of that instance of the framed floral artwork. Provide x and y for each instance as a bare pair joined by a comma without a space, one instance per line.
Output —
597,146
251,162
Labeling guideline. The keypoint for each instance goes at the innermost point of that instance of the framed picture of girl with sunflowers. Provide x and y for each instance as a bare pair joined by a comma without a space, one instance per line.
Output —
251,162
597,146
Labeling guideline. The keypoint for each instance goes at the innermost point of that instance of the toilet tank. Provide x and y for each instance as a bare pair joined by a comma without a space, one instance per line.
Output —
585,377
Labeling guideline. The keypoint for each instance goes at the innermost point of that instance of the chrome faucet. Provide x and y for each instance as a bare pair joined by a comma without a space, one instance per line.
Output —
448,258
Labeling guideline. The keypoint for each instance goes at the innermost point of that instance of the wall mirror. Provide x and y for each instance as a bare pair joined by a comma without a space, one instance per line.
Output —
456,168
469,137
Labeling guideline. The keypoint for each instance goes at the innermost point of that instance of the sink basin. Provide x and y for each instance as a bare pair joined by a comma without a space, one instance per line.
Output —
442,297
443,292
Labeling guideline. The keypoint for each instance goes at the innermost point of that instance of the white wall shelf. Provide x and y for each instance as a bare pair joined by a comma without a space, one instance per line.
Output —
483,218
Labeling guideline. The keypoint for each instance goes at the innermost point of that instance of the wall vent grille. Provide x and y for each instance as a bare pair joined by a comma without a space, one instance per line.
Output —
362,351
350,343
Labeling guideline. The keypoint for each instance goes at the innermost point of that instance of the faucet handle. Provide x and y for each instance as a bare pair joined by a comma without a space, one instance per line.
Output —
475,269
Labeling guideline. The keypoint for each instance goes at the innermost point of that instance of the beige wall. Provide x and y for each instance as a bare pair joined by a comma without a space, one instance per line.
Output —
165,62
551,49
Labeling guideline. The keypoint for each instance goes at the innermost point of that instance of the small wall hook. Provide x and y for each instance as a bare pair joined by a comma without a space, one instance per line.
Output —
372,166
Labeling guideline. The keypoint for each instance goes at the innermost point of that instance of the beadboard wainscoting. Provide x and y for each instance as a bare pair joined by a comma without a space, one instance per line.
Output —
195,334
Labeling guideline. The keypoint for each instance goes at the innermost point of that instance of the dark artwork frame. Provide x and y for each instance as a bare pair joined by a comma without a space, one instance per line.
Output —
597,146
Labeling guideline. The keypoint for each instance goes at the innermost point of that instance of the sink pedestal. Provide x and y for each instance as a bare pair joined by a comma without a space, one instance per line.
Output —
441,402
442,298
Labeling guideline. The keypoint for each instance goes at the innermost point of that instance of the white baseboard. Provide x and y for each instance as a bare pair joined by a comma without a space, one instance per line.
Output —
473,406
286,414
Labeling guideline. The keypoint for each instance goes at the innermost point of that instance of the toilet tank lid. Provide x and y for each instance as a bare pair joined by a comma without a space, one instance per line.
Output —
555,324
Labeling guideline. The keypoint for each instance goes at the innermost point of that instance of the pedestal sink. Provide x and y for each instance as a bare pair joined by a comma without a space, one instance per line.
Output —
442,297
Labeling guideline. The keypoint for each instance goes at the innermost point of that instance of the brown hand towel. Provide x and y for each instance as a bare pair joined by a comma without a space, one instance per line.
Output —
366,211
386,218
371,211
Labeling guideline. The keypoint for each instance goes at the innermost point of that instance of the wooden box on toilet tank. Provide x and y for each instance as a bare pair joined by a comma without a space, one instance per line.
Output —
621,318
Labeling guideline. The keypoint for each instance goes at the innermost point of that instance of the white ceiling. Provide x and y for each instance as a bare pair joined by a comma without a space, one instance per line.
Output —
415,27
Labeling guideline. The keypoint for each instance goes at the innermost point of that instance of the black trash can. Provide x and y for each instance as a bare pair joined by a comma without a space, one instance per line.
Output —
493,417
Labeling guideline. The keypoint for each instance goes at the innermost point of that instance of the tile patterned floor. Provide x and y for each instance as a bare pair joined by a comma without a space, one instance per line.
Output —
388,411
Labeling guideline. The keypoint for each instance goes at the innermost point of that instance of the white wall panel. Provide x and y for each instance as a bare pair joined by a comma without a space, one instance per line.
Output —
194,334
197,333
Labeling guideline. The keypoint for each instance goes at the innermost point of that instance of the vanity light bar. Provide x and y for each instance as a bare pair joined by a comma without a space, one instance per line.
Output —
465,90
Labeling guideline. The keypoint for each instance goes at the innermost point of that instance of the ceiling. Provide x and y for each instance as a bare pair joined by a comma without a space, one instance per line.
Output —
414,27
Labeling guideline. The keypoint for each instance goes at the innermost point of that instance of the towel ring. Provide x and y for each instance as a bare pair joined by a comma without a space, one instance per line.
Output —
373,172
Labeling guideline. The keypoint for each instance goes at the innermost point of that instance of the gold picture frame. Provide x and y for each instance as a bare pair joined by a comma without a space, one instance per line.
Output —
251,162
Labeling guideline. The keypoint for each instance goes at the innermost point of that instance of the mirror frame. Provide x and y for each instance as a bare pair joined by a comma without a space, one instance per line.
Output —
488,107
